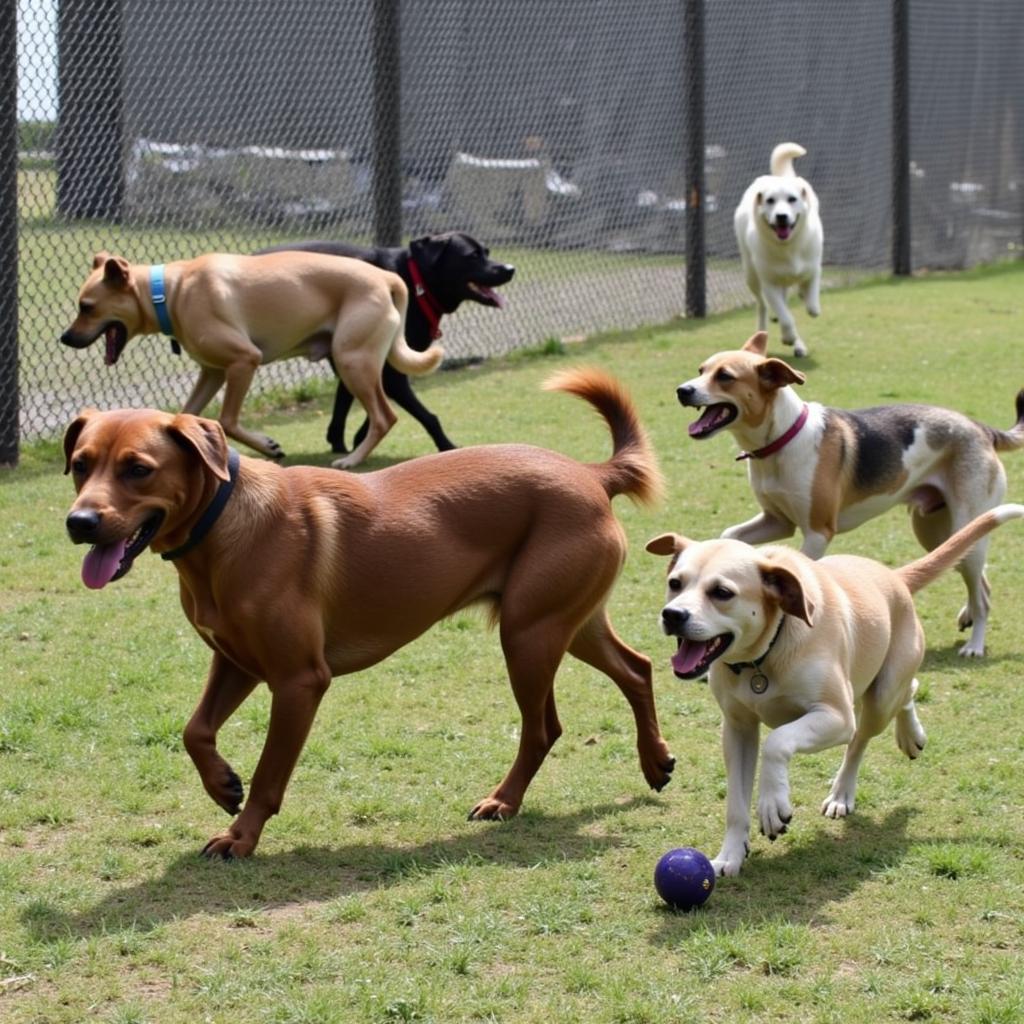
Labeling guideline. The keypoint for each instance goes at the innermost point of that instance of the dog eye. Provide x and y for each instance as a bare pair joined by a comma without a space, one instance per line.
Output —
85,308
139,470
721,594
78,466
770,200
675,585
724,376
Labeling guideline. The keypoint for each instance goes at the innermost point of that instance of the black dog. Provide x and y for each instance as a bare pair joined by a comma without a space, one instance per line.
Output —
441,271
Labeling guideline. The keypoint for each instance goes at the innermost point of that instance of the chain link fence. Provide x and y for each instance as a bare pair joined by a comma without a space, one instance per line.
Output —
556,131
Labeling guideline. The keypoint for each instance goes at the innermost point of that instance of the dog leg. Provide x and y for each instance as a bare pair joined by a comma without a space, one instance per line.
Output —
761,529
226,687
815,544
775,297
739,747
974,614
597,645
810,293
206,386
293,707
336,429
399,389
817,730
910,734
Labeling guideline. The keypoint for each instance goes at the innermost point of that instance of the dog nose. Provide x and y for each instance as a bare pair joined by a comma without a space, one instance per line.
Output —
83,524
674,619
685,394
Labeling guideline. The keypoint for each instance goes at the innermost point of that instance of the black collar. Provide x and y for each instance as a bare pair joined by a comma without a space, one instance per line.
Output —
738,666
212,513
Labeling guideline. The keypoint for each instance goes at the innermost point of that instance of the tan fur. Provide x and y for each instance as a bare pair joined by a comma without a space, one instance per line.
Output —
309,574
233,313
827,480
822,652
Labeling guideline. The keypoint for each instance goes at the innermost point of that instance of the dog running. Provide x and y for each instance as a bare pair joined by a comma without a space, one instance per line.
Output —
233,313
828,470
441,272
296,575
823,653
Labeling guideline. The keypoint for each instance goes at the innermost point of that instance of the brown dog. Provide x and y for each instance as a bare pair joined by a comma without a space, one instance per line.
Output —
823,653
297,575
233,313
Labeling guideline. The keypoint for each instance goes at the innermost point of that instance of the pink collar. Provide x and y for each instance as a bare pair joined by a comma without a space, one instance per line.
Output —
780,442
429,306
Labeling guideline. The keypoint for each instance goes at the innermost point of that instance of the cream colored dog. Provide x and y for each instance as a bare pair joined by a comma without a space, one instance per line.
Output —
824,653
827,470
780,237
233,313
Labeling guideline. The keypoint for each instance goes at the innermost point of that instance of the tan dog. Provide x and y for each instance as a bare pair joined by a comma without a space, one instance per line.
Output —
828,470
297,575
233,313
824,653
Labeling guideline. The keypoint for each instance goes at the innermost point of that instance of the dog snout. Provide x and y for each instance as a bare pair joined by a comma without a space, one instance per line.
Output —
75,340
674,620
685,393
83,524
782,218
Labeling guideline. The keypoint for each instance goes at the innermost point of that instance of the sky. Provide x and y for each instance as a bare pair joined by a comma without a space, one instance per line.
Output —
37,60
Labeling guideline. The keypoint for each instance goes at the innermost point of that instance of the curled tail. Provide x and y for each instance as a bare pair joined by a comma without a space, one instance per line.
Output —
401,356
633,468
1009,440
919,574
782,158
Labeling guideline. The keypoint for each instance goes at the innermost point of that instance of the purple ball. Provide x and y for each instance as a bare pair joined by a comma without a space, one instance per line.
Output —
684,878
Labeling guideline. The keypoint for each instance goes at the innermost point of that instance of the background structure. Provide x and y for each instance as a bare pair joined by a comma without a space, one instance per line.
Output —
560,132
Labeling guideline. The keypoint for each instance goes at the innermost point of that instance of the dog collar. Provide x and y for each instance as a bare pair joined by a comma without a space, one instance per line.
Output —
429,306
212,513
780,442
758,681
159,295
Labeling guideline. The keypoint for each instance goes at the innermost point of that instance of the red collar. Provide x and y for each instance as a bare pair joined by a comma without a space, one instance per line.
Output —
429,306
780,442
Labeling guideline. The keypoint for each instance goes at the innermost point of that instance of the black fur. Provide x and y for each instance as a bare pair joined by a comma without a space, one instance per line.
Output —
448,263
883,434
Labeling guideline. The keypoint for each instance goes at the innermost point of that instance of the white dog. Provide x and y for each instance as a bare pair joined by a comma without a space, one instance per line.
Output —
780,237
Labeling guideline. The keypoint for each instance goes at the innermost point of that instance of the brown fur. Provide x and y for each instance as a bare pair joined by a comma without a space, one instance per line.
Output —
309,574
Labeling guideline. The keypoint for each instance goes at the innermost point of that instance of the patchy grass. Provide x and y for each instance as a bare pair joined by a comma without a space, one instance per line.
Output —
371,899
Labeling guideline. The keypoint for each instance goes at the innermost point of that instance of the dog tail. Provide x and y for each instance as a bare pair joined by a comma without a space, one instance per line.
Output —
1009,440
633,468
919,574
401,356
783,155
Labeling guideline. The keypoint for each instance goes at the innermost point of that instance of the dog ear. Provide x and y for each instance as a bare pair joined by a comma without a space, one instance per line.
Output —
784,587
428,250
71,436
756,343
204,437
100,258
116,271
774,374
667,544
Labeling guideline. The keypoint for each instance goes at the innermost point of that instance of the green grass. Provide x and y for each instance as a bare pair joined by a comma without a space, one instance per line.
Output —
371,899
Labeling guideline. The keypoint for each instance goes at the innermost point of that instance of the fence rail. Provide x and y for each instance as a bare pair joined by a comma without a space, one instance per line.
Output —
601,145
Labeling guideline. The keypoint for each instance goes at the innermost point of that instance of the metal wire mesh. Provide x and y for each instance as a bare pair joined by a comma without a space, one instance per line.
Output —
553,130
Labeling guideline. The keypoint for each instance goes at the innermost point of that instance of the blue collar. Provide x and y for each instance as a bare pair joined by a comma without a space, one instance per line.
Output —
156,289
212,513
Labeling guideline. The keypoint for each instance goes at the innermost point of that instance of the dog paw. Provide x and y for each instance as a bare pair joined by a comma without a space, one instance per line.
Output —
228,846
799,348
774,814
972,650
658,769
492,809
227,791
730,859
837,805
910,734
346,463
271,448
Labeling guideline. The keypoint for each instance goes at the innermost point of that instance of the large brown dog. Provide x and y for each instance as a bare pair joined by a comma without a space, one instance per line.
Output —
233,313
297,575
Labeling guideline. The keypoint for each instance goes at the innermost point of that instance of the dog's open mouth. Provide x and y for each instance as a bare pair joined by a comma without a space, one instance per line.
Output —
694,657
713,419
115,335
782,231
107,562
484,295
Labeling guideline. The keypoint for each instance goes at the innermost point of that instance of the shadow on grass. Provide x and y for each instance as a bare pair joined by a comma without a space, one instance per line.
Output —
192,885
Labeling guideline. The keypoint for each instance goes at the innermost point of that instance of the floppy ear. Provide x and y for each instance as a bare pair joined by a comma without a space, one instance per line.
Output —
756,343
428,250
784,587
204,437
803,194
71,436
667,544
116,272
774,373
100,258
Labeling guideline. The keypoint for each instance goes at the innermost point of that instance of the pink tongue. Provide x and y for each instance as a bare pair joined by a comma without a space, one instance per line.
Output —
101,563
689,656
782,232
707,421
110,338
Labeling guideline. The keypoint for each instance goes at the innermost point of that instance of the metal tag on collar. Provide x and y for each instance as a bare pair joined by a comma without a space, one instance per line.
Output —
758,682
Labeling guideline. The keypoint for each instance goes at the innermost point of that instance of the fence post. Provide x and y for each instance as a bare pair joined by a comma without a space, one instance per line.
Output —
387,120
9,234
901,260
696,266
90,87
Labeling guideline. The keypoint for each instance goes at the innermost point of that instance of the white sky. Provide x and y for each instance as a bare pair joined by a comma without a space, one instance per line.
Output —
37,60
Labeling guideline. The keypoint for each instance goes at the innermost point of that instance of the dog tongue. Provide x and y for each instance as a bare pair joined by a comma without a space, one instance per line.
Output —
110,336
101,563
782,231
688,656
708,420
